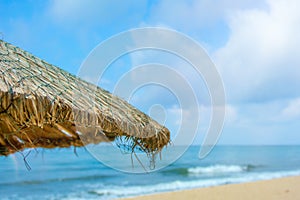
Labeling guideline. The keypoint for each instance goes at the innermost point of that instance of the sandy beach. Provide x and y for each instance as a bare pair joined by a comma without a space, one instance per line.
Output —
283,188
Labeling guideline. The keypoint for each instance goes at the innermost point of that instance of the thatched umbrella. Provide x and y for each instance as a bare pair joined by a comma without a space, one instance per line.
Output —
38,109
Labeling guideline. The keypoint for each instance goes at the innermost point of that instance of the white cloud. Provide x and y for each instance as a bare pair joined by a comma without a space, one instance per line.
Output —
260,61
195,14
231,114
292,110
264,123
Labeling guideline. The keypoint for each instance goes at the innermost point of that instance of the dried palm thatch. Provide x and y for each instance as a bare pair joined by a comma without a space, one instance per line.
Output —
38,109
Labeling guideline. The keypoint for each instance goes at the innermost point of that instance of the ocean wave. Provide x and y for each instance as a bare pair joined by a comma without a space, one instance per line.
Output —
104,191
217,169
211,170
45,181
130,191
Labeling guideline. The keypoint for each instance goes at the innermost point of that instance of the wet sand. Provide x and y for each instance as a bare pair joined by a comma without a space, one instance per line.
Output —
283,188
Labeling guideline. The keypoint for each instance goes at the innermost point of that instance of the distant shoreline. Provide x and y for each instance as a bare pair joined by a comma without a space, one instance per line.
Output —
276,189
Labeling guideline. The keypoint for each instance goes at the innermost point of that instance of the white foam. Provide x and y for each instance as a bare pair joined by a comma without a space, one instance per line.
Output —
217,169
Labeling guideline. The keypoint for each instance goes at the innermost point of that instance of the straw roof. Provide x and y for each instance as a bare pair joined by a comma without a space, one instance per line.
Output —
38,109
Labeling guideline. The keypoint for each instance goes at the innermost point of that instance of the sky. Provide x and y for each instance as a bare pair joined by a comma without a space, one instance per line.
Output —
253,43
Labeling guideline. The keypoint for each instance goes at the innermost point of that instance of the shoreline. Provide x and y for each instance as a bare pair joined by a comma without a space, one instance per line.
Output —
275,189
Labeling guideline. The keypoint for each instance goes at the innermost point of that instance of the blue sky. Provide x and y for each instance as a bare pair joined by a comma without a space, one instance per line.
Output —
254,44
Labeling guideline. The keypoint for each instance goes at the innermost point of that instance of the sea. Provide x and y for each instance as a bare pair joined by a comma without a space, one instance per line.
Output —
66,174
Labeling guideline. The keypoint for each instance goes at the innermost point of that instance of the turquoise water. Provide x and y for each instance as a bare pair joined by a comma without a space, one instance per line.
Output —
60,174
